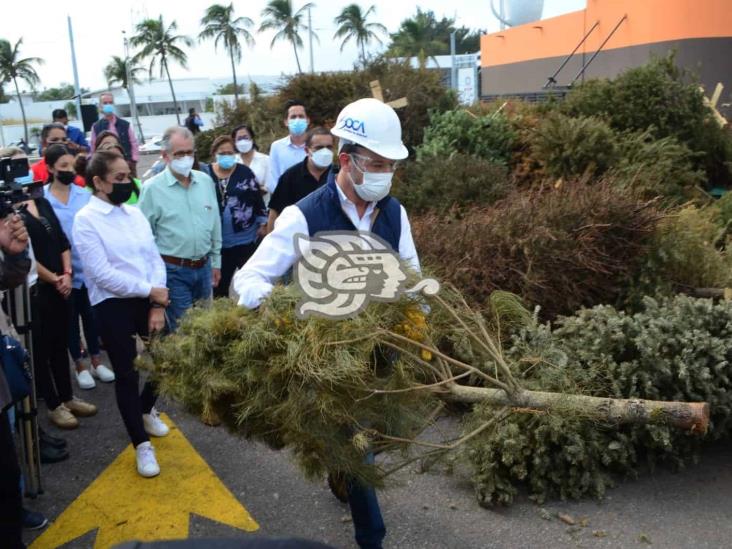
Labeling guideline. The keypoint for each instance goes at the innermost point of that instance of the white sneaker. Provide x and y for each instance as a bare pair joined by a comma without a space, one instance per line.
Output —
154,426
102,373
147,465
85,380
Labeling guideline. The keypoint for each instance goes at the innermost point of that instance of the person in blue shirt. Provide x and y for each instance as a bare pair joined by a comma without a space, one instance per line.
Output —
66,200
76,140
243,214
290,150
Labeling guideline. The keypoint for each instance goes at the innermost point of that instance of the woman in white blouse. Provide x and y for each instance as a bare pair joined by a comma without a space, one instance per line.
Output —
250,156
126,280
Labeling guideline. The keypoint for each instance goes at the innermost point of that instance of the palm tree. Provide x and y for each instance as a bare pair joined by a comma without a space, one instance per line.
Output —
160,44
219,24
116,71
12,68
352,25
280,16
418,37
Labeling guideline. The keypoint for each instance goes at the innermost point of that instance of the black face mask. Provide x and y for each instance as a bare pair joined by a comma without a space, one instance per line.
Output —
121,192
64,177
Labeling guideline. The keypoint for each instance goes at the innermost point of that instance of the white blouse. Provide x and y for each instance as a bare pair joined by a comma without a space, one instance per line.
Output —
117,251
260,167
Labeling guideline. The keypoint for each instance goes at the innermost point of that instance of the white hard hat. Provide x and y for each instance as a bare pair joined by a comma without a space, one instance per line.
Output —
373,125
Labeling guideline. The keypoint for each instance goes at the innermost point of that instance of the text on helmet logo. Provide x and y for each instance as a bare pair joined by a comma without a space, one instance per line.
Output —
355,126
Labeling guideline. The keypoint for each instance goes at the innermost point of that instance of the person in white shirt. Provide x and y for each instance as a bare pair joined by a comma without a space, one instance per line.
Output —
126,279
289,150
357,198
249,155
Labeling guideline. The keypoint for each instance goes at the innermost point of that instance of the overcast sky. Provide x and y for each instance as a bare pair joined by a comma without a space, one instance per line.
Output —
98,26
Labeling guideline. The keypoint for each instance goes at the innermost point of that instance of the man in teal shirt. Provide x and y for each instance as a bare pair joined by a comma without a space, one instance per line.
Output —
181,205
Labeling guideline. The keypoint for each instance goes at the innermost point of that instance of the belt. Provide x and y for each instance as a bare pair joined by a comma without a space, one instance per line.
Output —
181,262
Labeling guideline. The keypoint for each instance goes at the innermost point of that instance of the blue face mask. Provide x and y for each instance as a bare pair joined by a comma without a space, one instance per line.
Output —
25,180
297,126
108,109
226,161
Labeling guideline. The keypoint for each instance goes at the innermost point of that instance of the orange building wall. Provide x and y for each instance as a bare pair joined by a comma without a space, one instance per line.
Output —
648,21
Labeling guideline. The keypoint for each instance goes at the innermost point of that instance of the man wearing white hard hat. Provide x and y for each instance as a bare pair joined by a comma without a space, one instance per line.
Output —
356,198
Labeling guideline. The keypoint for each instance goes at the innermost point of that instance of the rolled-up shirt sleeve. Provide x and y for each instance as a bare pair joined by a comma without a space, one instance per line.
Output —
273,258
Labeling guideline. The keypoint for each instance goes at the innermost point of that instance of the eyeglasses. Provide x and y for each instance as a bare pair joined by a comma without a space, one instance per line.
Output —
368,164
182,154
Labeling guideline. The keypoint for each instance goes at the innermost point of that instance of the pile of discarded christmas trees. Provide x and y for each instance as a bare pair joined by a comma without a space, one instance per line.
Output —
331,391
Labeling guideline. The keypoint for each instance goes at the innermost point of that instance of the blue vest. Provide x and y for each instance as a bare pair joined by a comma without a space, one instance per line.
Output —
123,133
323,212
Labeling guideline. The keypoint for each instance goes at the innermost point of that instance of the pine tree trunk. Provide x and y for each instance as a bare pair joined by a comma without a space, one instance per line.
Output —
692,416
172,91
22,110
233,73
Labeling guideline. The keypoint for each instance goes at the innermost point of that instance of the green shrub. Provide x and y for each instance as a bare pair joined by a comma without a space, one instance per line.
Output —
488,137
570,147
724,205
678,349
326,94
663,99
682,253
423,89
459,180
657,167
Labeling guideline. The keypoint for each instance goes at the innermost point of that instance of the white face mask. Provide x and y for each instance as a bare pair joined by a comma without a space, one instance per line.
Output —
182,166
244,145
374,187
322,158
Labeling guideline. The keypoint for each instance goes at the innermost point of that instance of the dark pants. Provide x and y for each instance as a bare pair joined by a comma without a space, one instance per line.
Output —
119,320
232,259
79,306
50,344
186,286
11,503
366,515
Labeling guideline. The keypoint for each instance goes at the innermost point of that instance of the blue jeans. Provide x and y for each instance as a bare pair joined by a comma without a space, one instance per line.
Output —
365,512
79,305
186,286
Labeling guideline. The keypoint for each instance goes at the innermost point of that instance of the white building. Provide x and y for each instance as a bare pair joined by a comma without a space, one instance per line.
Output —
154,98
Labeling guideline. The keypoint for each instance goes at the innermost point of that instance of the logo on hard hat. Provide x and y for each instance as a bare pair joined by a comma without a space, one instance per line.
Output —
354,126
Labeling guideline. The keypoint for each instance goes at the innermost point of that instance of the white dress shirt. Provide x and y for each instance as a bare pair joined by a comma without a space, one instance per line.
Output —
283,154
260,166
276,254
117,250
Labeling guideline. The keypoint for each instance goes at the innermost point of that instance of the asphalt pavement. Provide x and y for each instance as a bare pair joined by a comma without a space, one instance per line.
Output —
422,510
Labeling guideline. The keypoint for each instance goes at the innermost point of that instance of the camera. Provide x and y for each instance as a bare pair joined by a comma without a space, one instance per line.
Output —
16,184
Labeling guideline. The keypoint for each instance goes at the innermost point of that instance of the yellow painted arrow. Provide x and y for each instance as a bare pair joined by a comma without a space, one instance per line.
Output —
124,506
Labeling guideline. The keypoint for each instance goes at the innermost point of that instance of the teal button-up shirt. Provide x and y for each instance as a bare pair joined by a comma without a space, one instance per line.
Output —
185,221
